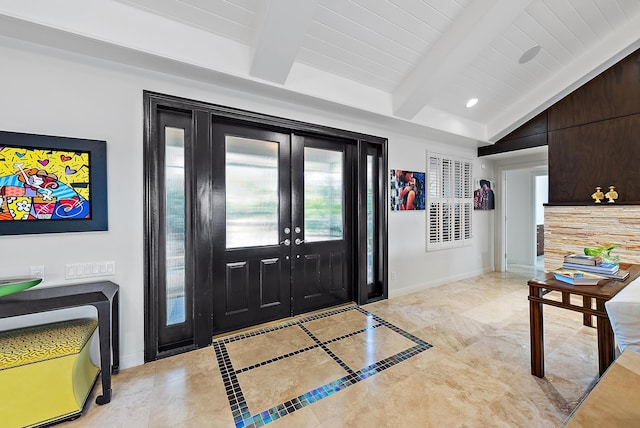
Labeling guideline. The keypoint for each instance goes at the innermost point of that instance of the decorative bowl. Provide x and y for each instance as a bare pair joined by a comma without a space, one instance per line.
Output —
13,285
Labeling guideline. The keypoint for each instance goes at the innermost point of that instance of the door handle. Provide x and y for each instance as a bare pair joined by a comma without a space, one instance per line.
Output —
286,242
299,241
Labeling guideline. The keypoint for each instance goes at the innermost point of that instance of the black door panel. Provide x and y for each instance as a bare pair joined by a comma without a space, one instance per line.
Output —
256,284
322,274
251,285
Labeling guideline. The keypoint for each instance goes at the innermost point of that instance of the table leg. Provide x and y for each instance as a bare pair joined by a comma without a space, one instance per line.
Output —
586,318
606,342
115,334
104,326
537,334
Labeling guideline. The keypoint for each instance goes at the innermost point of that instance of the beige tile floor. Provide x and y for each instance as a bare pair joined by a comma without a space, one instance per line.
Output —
477,374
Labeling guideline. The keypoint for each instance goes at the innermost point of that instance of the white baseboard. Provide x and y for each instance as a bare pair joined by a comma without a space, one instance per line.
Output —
520,265
436,282
132,360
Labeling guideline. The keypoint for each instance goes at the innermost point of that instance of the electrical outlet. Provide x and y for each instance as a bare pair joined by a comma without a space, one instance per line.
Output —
37,271
393,275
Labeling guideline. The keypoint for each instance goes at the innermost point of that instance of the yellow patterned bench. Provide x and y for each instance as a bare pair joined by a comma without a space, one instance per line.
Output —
45,372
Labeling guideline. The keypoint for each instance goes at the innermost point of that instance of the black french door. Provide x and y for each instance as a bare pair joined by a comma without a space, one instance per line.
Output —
282,225
322,194
251,282
251,218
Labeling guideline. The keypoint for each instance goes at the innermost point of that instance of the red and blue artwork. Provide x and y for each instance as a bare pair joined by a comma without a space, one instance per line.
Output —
407,190
44,184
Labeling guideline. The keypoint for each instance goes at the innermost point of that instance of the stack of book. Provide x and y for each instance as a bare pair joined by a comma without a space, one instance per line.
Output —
594,265
578,277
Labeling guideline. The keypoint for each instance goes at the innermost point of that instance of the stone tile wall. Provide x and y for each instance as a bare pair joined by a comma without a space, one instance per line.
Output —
568,229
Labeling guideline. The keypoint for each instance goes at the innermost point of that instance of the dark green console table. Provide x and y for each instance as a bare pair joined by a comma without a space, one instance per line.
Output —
102,295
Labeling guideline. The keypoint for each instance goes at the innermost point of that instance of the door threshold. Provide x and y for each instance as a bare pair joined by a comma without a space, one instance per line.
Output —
281,320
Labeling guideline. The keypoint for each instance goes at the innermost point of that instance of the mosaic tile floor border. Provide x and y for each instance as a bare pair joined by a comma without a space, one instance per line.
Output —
239,408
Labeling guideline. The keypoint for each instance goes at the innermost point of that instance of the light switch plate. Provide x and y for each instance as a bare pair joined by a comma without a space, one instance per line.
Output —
90,269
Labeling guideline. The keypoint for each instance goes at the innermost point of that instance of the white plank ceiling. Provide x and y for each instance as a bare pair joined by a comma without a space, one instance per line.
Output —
423,56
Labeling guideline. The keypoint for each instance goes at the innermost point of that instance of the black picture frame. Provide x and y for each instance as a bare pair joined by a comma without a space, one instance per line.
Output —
97,182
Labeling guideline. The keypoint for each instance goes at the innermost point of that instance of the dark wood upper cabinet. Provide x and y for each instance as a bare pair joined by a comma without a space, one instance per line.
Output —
601,154
593,136
614,93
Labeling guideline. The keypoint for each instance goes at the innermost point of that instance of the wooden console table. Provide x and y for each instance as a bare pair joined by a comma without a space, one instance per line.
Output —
538,288
101,295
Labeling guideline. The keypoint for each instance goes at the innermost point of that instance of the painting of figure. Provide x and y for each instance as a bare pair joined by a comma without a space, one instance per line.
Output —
407,190
483,198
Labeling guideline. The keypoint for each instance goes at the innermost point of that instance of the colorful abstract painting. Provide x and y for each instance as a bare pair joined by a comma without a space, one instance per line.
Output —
44,184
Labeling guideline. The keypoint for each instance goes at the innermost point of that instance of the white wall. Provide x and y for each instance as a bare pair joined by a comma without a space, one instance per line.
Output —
542,196
519,200
410,266
56,93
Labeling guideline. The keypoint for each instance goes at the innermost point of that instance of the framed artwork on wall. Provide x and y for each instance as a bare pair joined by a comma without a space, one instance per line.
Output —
52,184
407,190
483,197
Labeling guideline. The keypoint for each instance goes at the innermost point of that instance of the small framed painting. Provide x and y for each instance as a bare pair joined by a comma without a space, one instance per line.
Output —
51,184
407,190
483,197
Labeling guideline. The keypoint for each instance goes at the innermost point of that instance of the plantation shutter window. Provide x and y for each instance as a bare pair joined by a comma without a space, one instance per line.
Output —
450,201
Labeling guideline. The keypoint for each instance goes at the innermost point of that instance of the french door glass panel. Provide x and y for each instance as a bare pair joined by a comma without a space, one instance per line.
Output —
252,201
175,225
323,194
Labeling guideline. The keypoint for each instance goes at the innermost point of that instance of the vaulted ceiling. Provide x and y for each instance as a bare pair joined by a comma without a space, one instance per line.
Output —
412,62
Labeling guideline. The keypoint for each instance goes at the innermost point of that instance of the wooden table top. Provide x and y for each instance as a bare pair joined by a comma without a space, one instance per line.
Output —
613,402
604,290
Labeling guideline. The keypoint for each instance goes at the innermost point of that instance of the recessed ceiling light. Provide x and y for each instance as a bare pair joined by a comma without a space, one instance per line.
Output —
529,55
472,102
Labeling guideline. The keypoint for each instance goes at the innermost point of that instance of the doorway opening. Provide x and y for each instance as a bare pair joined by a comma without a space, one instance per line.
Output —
542,197
526,192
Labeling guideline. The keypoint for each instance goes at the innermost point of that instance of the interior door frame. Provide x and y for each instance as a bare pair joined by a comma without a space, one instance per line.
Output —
202,115
500,222
154,239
